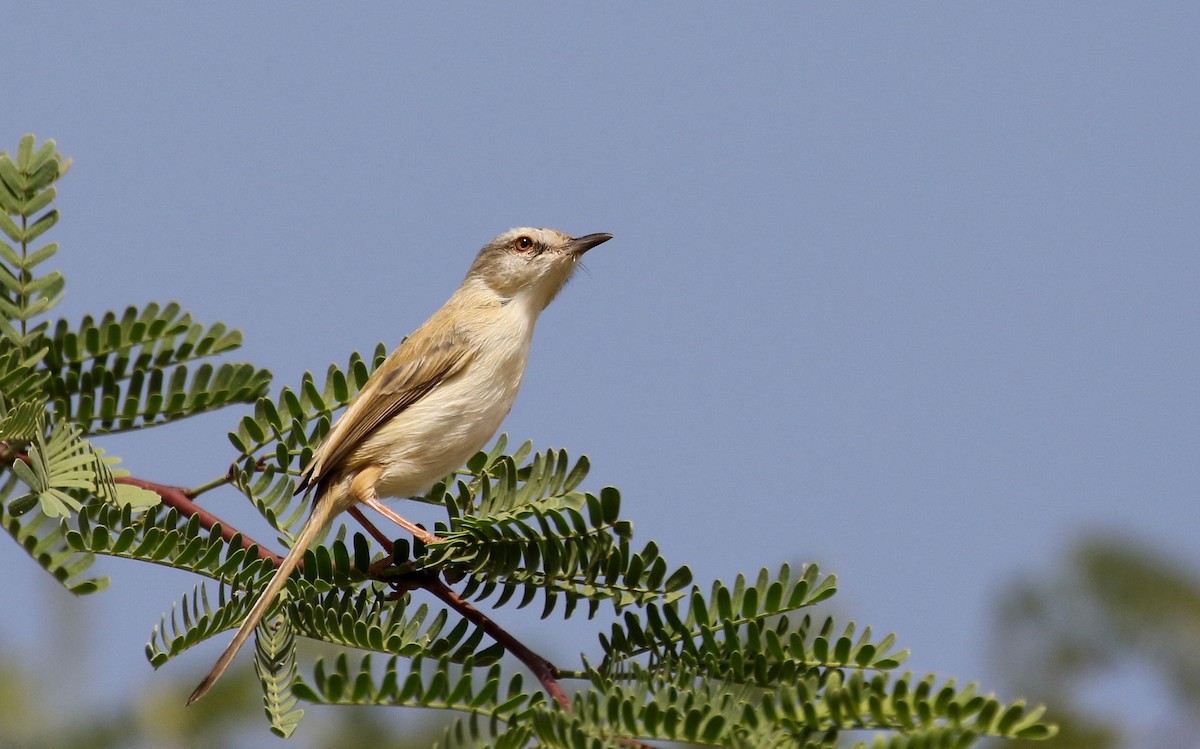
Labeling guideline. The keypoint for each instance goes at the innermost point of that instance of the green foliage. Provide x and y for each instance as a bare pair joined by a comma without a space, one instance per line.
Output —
472,732
442,686
742,610
744,665
526,530
26,192
369,622
62,466
63,382
165,537
190,624
275,664
1111,604
680,704
276,441
129,372
44,540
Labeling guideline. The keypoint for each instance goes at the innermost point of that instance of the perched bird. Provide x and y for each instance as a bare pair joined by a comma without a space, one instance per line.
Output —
436,400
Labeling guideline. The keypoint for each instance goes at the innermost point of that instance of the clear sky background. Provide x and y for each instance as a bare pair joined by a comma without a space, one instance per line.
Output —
909,291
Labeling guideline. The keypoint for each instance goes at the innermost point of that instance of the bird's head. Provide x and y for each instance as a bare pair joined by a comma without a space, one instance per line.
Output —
531,264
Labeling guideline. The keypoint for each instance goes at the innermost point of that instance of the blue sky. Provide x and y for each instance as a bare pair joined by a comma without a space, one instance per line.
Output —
908,291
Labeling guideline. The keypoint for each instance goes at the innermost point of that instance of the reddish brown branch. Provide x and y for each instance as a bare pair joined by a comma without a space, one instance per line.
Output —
174,496
545,671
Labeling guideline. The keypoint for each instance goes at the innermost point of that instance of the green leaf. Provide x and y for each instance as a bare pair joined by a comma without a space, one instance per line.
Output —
35,204
39,227
136,498
10,229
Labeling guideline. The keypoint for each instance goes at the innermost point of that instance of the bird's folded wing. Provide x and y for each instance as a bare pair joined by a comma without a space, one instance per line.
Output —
419,365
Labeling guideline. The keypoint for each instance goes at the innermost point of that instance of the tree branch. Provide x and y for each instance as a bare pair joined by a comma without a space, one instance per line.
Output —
544,670
174,496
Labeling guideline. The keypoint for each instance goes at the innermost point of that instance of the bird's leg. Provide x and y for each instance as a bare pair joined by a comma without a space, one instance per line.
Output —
362,489
407,525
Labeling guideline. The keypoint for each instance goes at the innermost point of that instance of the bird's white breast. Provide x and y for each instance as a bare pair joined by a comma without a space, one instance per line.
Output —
442,430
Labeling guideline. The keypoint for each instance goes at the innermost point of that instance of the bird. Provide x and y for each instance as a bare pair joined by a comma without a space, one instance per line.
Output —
435,401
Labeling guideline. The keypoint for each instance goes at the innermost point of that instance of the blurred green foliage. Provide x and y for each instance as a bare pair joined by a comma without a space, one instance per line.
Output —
1115,610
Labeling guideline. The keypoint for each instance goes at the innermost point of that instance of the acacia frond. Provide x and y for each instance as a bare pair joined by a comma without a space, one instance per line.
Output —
168,538
835,701
26,192
22,422
194,620
681,704
63,471
367,621
518,530
505,483
445,685
569,546
44,540
130,372
275,664
668,631
277,440
474,732
769,652
22,402
675,707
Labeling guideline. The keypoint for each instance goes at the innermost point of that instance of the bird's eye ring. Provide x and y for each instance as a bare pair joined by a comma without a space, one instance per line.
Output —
523,243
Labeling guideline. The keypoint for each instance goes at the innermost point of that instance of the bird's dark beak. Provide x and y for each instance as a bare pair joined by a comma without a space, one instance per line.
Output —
580,245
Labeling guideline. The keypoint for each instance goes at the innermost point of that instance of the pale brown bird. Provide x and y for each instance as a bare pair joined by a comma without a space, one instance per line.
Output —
435,401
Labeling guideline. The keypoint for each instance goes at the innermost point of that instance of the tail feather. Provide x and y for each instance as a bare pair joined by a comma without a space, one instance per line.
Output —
322,513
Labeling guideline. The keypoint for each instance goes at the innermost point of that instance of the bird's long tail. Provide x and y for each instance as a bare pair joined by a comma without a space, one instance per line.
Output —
323,511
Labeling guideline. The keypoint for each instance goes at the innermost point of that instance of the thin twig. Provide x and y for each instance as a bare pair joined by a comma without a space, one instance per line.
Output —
228,478
218,482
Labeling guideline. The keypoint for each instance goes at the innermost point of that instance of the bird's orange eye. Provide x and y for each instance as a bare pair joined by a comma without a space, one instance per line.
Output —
523,243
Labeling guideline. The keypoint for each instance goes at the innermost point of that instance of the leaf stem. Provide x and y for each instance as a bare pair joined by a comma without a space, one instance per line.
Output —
23,297
220,481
